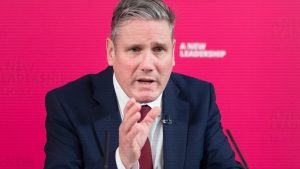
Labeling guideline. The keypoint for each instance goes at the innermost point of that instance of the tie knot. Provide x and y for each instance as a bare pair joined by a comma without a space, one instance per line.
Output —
144,110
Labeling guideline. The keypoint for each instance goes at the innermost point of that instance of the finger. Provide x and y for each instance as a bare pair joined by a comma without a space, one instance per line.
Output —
130,102
151,115
134,109
133,133
131,121
130,108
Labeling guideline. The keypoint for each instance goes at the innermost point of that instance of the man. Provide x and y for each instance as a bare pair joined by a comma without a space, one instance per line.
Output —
155,118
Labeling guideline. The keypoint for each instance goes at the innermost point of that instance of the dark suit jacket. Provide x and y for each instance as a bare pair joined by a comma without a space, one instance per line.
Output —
79,114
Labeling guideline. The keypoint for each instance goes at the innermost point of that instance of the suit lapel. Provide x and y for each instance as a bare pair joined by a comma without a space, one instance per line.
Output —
175,134
105,116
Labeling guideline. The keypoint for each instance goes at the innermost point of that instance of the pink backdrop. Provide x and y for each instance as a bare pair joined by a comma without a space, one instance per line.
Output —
45,44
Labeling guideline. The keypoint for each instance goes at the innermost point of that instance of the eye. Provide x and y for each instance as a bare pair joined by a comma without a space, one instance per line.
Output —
158,49
135,49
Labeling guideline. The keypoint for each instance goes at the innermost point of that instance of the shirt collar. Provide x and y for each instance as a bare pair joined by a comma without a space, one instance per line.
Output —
123,98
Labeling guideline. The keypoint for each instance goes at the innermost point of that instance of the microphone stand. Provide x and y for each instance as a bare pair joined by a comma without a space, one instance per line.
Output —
244,162
106,150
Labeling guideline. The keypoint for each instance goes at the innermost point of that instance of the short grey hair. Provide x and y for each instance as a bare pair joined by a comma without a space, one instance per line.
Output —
142,9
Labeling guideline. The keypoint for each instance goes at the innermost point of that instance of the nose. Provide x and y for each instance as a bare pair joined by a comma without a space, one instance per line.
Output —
147,63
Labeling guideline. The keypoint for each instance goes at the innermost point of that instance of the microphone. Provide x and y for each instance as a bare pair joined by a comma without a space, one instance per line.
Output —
167,119
244,162
106,150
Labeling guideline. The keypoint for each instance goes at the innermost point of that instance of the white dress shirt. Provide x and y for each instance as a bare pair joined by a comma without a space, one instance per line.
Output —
156,131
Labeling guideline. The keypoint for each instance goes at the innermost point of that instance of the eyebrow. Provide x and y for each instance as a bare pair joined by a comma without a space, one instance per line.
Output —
164,45
152,44
135,45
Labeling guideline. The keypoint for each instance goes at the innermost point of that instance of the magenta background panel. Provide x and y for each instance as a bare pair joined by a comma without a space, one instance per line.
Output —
45,44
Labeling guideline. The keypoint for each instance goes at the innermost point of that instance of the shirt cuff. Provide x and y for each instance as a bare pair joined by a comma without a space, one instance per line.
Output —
120,164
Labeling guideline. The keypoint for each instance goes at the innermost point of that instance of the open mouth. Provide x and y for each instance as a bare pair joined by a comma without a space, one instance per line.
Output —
145,81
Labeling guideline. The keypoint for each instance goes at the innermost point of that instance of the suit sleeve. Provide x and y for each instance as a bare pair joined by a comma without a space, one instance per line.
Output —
62,146
218,153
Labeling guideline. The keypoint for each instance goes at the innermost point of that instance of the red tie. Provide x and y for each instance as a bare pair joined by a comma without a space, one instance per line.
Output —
146,156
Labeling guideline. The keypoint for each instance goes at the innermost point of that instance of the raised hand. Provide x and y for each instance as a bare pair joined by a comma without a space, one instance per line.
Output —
133,134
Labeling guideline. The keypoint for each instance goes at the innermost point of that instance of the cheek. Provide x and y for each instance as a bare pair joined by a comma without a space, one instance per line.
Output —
165,67
165,71
122,63
125,69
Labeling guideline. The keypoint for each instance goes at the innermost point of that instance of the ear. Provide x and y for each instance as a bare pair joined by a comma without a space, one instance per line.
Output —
110,51
174,46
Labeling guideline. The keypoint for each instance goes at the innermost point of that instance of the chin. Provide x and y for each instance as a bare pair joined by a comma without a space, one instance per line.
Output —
146,98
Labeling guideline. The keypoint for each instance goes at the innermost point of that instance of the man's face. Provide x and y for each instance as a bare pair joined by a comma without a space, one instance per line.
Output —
142,57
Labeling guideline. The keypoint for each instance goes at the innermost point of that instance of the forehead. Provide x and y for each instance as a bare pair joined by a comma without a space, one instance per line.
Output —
144,31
